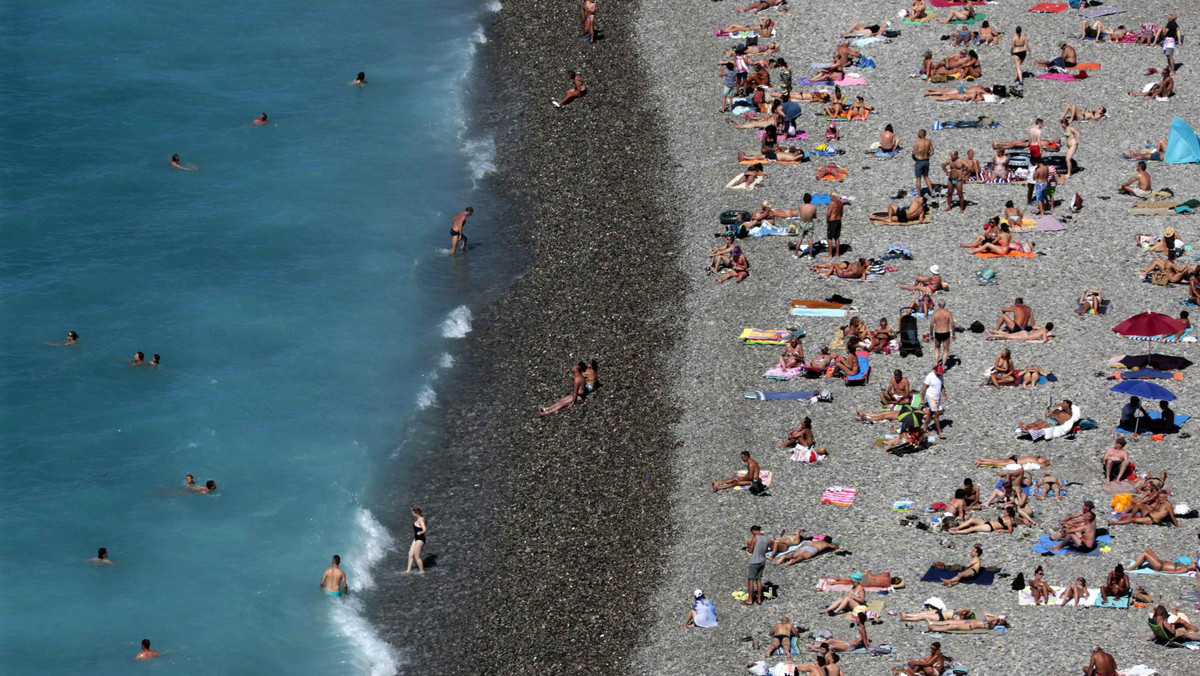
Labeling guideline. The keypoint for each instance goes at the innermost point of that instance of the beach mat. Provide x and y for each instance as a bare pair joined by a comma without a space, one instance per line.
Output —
1025,598
1097,13
1045,545
1011,254
1155,425
797,395
1049,7
1129,569
1061,77
985,577
847,81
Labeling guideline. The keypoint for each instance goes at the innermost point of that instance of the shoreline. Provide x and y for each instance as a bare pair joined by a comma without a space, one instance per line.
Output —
547,533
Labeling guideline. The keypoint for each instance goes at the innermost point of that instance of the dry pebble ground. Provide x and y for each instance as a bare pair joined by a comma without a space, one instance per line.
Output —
1096,251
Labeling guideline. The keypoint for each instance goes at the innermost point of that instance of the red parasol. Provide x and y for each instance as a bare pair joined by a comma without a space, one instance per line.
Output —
1149,324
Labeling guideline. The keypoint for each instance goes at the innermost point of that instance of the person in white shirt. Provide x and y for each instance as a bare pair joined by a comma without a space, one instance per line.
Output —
933,391
702,613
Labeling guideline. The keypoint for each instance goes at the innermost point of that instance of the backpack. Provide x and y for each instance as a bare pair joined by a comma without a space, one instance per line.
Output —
1159,278
977,327
1018,582
1076,202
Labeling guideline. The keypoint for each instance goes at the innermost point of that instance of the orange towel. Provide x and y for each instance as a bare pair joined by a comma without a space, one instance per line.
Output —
1087,66
748,162
1011,254
841,174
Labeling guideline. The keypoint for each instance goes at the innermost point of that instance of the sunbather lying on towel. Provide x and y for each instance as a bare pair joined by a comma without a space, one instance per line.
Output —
1038,334
790,155
867,579
989,622
808,550
1039,460
802,436
1073,113
759,5
936,613
749,176
753,50
764,27
1004,524
965,14
1154,155
843,269
1161,90
914,213
1148,559
974,93
1176,273
785,542
970,571
838,645
860,31
1090,302
916,10
859,109
1056,415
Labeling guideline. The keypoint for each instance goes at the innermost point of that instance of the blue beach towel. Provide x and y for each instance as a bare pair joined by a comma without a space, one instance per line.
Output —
985,577
1129,569
1045,545
1155,424
777,396
1146,374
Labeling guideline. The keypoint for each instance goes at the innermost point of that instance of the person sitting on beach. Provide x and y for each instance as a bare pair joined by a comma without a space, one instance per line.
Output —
1073,113
808,550
1039,589
916,10
988,35
1175,272
965,14
1077,530
793,354
722,256
1004,524
1117,586
577,90
933,665
702,613
898,391
1003,371
957,506
857,596
859,110
1002,245
578,392
748,177
1174,625
782,634
1161,90
973,94
1021,318
930,284
751,477
1075,592
970,571
740,267
1157,515
801,437
1116,34
860,31
1094,31
839,645
1148,559
1141,178
176,164
1065,59
843,269
974,170
822,361
760,5
845,365
1100,664
914,213
989,621
1115,461
991,231
882,336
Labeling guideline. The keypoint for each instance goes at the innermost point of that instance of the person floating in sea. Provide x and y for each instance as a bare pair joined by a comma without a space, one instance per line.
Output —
333,582
101,558
189,482
361,80
209,486
456,230
72,339
261,120
176,164
147,653
577,90
418,543
139,359
154,361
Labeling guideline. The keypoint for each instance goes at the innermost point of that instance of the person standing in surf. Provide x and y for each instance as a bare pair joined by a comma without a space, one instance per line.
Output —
333,582
418,543
456,230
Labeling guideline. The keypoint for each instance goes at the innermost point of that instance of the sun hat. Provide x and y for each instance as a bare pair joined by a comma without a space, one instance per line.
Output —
935,269
935,602
856,576
698,593
1169,232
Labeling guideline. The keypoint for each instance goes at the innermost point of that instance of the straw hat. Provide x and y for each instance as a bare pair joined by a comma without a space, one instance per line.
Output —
935,269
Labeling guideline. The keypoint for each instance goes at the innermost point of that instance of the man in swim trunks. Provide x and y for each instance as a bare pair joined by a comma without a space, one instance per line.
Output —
781,636
898,390
1160,90
926,666
1066,58
333,582
1041,185
1142,178
921,154
1021,319
1155,155
1056,415
807,213
456,230
833,225
843,269
807,551
941,325
913,213
750,478
956,172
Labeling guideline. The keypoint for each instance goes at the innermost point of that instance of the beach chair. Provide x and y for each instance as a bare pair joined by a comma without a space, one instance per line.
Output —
864,370
1162,637
910,338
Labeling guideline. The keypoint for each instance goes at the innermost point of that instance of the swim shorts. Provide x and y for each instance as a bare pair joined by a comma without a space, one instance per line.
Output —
1141,193
1156,155
1035,151
754,571
833,229
934,403
1169,51
1039,191
336,592
1060,62
804,230
921,168
770,154
941,336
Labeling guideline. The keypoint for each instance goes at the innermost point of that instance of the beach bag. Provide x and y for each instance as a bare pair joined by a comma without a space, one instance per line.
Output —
1000,91
1076,202
1018,582
1073,3
733,217
1159,278
938,78
977,327
1085,424
1121,502
1142,596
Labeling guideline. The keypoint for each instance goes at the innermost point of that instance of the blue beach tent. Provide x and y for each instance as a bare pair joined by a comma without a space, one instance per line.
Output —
1182,145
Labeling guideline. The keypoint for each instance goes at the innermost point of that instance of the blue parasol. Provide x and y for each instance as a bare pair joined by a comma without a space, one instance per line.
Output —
1143,389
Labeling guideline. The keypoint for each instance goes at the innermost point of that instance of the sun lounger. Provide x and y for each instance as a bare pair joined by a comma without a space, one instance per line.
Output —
864,371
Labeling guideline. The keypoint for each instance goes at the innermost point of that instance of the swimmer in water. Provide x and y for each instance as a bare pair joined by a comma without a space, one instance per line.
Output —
72,337
101,558
209,486
176,164
147,653
361,80
189,482
456,230
262,119
154,361
333,582
139,359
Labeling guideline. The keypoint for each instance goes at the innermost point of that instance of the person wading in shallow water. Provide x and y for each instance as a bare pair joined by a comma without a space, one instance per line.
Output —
456,230
418,543
333,582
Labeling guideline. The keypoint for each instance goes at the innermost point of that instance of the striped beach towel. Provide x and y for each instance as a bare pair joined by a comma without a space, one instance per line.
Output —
838,495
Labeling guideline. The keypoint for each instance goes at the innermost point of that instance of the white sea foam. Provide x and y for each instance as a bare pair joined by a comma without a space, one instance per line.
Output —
481,153
446,360
426,397
495,6
458,324
349,616
479,37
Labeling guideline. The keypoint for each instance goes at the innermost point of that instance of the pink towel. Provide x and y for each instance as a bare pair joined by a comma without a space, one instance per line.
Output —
1061,77
826,585
954,3
837,495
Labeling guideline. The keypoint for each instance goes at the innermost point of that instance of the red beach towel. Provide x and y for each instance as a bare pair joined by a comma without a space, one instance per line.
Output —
1049,7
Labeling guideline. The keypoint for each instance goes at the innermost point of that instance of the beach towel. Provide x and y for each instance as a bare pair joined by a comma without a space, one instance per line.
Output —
839,495
985,577
847,118
1156,426
928,16
954,3
766,161
801,136
1138,669
974,19
798,395
767,230
763,474
822,312
873,650
736,34
744,186
1012,253
1097,13
838,176
1061,77
1187,337
1048,223
847,81
1150,571
777,373
881,155
875,217
1049,7
1025,598
1089,65
1026,224
764,336
1045,545
863,42
963,124
1147,374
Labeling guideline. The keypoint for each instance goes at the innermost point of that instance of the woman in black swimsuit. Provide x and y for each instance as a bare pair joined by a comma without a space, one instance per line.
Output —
1020,49
414,550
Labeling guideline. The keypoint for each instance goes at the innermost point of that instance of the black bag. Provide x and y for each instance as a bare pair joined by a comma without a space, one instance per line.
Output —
977,327
732,217
1018,582
1000,91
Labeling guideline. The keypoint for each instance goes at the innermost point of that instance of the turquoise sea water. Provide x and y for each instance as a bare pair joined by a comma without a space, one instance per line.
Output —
296,287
